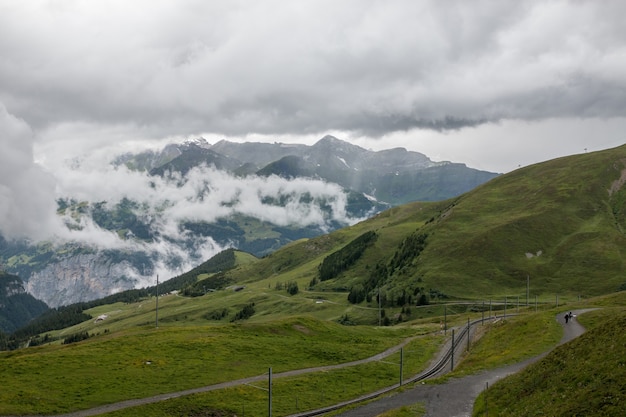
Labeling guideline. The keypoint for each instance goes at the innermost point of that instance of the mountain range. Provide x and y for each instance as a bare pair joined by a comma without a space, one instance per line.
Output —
549,230
331,184
393,176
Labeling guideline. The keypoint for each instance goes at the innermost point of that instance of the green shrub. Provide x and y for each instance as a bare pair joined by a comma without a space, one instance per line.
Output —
245,313
77,337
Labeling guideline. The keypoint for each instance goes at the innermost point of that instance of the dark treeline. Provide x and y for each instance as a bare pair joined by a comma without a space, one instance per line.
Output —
66,316
214,282
368,289
245,313
17,307
339,261
188,282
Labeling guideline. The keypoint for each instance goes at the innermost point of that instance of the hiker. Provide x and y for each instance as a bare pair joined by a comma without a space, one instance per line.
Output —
566,318
571,316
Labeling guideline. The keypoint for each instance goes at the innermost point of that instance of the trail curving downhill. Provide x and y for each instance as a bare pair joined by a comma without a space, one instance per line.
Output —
456,397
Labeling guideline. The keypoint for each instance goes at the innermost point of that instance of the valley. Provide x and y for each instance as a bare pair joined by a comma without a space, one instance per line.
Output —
405,275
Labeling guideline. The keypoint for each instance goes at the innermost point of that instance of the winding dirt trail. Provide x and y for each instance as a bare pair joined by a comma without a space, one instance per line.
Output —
456,397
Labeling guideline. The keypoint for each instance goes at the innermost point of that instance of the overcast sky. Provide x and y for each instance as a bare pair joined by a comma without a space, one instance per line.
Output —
493,84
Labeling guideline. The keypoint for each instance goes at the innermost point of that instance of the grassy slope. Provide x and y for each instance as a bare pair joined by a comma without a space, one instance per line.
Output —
561,208
585,377
476,248
141,361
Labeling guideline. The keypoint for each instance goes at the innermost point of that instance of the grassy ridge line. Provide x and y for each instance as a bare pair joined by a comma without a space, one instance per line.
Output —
555,223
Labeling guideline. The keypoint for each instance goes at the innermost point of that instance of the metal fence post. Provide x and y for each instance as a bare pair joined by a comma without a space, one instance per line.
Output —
452,357
468,334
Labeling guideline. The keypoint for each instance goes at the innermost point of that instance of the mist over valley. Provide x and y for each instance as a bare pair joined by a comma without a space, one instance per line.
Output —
124,218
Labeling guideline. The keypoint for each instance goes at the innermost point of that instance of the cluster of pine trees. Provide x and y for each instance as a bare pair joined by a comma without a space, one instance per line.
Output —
369,288
339,261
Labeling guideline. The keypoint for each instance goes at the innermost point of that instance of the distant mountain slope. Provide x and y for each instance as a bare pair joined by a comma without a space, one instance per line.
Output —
257,153
16,306
290,166
192,155
395,176
559,225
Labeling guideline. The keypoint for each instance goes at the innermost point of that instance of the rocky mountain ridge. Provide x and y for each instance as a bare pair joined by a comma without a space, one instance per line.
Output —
393,176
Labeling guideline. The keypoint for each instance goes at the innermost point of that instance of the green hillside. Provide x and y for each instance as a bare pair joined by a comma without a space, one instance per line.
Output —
17,307
556,225
567,214
585,377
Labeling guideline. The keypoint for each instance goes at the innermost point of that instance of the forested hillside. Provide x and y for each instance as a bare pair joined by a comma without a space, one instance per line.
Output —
17,307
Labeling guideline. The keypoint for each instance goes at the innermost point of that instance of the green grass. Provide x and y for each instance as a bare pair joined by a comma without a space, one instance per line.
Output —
510,341
184,354
140,362
585,377
295,394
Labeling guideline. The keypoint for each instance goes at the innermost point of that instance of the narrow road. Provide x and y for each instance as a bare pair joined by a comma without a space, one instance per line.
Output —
456,397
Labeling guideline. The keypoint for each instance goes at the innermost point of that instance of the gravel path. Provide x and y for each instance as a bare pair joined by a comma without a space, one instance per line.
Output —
456,397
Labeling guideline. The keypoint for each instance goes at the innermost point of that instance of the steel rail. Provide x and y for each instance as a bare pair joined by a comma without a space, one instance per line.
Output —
434,369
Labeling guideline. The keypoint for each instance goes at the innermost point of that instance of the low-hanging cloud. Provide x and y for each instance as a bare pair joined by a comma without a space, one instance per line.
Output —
165,203
204,194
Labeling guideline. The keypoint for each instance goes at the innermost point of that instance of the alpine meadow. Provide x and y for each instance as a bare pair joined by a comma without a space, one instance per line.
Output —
530,244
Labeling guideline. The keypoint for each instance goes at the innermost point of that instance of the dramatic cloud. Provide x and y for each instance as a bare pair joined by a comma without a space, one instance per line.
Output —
274,67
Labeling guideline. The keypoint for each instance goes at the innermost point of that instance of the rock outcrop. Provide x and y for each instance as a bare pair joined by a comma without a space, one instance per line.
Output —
80,277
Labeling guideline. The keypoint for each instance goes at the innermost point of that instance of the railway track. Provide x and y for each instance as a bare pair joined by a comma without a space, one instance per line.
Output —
439,367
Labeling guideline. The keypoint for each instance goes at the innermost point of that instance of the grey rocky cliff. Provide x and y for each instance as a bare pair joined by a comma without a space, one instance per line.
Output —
80,277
